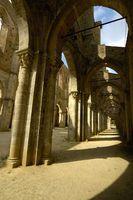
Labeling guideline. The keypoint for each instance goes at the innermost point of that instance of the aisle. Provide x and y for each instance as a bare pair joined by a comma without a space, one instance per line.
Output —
99,169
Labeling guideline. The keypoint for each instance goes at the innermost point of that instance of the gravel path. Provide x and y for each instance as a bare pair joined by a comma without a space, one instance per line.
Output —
100,169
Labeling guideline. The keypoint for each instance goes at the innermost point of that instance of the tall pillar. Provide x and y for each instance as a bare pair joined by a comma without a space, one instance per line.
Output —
20,108
78,117
127,133
89,120
130,66
100,121
109,123
74,115
46,127
83,117
95,120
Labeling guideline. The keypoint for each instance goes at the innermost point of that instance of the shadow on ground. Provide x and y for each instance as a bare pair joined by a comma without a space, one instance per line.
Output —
121,189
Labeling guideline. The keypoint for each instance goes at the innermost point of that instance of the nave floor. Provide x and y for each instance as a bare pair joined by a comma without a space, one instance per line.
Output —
99,169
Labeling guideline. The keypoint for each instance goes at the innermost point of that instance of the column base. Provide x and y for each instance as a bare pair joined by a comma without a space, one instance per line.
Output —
46,161
13,163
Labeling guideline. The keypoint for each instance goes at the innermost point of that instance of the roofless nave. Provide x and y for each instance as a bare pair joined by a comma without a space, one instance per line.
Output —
31,42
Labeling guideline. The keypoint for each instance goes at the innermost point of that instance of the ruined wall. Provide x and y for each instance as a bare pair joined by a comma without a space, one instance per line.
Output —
61,97
8,63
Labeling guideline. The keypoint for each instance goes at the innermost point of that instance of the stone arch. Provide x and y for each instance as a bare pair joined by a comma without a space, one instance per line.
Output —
22,23
70,12
119,89
115,65
9,37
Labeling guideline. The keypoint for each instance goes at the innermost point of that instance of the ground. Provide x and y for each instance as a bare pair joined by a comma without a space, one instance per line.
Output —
99,169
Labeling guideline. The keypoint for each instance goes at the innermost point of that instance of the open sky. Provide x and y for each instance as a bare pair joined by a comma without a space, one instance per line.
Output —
114,34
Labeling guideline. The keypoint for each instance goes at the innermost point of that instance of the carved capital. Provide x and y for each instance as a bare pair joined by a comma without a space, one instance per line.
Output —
75,95
25,58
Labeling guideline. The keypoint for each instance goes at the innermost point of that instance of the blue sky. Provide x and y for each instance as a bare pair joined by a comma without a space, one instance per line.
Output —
114,34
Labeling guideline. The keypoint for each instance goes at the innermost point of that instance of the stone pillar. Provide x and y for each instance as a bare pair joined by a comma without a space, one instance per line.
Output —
95,121
86,128
105,122
20,108
78,118
102,122
109,123
130,66
46,126
73,111
32,137
98,122
82,112
128,132
89,119
82,130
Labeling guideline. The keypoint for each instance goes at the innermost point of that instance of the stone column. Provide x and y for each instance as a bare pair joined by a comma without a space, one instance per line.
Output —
78,117
128,132
109,123
95,121
82,112
20,108
98,122
102,122
46,126
31,143
86,128
89,120
74,115
130,67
